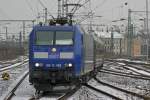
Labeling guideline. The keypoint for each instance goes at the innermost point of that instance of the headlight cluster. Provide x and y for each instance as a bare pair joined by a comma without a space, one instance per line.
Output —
52,65
38,64
69,65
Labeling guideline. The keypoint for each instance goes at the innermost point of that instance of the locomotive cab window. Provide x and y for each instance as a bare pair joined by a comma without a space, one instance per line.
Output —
64,38
44,38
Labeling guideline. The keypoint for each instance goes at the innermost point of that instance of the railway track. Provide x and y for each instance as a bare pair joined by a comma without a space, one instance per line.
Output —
140,66
12,90
115,92
62,95
130,62
144,71
9,76
124,74
122,90
115,73
14,65
11,62
69,93
134,68
101,91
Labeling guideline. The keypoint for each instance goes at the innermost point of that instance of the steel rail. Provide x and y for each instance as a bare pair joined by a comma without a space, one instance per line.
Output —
132,66
120,89
11,66
69,93
146,70
103,92
129,62
119,72
144,78
10,94
128,74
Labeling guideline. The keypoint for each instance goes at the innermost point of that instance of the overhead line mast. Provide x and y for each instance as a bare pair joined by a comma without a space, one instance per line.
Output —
59,9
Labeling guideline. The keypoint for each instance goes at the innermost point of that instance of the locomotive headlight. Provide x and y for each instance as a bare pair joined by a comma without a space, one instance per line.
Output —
37,64
54,50
70,65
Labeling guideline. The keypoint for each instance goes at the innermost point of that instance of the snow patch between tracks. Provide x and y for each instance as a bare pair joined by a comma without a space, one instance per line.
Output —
12,86
14,65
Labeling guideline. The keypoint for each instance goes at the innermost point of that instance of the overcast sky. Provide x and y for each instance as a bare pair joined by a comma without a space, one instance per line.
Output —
28,9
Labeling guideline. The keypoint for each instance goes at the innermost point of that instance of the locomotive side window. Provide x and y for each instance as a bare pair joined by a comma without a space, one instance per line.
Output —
44,38
64,38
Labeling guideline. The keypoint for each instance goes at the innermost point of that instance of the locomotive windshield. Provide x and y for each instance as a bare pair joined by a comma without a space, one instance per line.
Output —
44,38
54,38
64,38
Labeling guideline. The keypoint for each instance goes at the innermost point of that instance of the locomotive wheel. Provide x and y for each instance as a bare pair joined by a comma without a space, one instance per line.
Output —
30,80
37,94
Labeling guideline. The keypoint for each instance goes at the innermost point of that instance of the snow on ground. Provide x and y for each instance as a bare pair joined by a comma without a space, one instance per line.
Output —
11,66
139,86
121,63
48,98
14,74
135,61
88,94
133,70
112,91
25,90
118,67
139,71
14,65
128,83
11,87
14,60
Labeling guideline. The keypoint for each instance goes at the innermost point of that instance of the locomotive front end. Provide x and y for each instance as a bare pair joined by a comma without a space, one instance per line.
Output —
52,56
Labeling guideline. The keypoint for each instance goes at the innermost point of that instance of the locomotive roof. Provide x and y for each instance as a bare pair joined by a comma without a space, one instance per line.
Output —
55,27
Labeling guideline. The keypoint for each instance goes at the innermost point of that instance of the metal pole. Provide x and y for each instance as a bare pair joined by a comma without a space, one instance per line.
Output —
129,35
112,41
120,47
63,2
59,9
66,2
147,30
131,40
23,30
33,23
45,16
91,17
20,43
6,33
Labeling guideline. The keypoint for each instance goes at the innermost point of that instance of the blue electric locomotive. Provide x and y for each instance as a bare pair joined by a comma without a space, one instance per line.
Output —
60,54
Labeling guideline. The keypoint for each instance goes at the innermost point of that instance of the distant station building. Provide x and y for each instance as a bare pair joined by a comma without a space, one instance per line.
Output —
139,46
118,42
